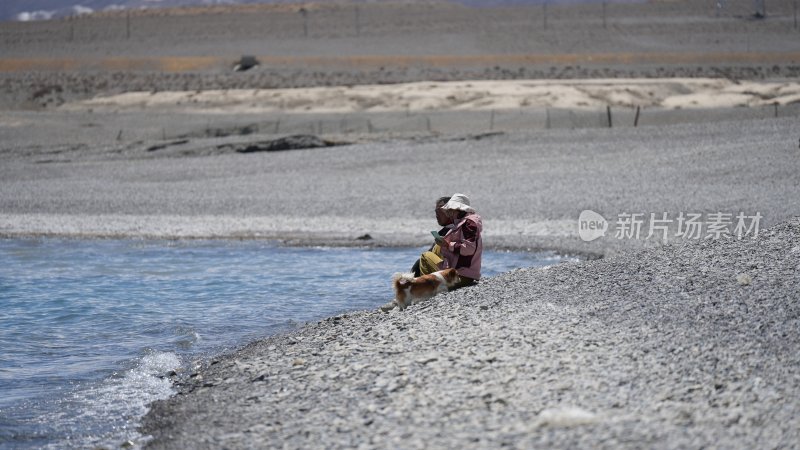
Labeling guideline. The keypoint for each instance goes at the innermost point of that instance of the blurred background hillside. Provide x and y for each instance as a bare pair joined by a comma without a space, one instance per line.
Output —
25,10
343,43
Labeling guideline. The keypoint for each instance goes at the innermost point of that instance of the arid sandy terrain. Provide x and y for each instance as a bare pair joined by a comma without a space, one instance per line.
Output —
665,93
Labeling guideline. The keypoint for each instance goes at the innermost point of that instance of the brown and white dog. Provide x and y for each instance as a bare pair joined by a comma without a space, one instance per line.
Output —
410,291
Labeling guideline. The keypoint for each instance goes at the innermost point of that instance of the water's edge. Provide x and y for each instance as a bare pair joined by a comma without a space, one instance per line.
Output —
160,374
184,382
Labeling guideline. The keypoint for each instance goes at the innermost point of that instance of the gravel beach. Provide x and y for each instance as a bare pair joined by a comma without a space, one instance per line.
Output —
530,187
685,346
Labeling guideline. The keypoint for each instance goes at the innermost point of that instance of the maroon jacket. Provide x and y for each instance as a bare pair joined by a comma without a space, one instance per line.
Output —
463,247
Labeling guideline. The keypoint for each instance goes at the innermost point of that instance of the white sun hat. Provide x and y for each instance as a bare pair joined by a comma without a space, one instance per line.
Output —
459,202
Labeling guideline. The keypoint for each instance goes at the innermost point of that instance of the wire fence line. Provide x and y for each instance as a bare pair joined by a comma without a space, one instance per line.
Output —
364,21
464,122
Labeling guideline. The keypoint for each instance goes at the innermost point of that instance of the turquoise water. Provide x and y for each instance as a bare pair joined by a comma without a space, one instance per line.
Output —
89,328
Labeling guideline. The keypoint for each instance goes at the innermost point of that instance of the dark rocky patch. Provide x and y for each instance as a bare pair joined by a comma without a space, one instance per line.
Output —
294,142
246,63
479,136
216,132
164,145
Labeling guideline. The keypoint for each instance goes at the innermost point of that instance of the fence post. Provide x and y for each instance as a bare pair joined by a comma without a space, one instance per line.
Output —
636,119
544,14
304,13
760,7
358,21
608,113
604,15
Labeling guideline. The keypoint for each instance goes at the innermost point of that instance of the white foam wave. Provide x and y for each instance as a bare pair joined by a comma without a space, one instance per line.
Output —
121,401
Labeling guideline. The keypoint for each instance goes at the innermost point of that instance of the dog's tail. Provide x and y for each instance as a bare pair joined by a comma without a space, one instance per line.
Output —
400,280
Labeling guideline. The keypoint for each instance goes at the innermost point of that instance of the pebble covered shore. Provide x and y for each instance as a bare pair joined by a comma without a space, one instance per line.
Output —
683,346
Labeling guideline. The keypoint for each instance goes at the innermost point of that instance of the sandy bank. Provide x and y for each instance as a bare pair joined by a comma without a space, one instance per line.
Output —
674,93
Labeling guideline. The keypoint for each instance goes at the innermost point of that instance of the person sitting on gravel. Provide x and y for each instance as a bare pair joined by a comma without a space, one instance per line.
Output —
459,248
429,261
462,247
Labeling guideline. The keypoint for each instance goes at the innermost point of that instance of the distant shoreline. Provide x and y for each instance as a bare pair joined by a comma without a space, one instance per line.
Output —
294,232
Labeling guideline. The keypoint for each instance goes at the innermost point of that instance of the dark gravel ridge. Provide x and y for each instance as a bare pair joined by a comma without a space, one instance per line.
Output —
683,346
